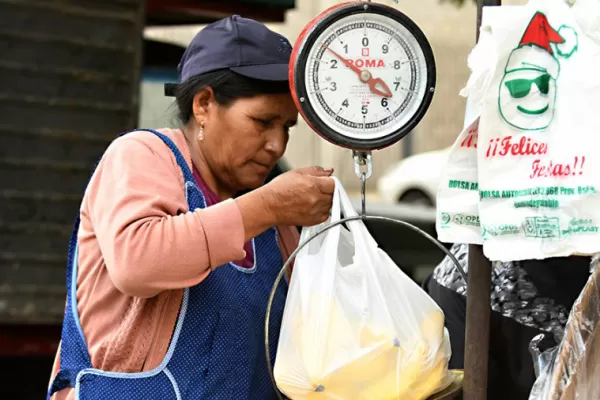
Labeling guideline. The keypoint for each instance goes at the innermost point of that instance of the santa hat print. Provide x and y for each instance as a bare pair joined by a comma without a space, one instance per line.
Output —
534,51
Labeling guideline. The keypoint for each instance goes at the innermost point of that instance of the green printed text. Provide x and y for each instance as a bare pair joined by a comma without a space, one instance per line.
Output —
550,203
465,185
537,191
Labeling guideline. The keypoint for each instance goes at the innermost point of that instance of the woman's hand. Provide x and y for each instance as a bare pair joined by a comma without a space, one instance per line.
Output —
300,197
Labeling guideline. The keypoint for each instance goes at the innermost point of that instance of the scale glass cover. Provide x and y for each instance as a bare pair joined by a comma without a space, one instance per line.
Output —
362,75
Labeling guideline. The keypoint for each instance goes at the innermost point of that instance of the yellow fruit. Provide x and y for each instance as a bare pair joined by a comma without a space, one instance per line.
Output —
364,373
434,380
432,327
379,369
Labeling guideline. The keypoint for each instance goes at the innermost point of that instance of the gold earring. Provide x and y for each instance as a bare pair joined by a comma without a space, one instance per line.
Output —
201,132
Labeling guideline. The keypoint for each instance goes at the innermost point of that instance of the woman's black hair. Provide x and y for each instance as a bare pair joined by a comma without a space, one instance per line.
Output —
227,87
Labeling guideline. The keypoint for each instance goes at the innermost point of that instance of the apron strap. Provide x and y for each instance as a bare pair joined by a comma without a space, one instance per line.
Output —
74,355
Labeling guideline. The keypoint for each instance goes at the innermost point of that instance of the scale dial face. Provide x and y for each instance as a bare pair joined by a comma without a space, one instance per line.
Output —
362,75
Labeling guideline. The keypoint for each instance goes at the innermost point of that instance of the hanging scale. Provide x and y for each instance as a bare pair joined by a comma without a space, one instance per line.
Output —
362,75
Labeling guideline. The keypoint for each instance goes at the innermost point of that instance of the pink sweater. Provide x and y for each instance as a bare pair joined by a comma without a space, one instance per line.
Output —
139,247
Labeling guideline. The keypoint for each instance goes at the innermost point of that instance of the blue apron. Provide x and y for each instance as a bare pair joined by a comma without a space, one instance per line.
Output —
217,349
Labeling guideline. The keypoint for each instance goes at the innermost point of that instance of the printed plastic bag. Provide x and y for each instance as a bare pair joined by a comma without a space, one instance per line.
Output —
539,176
458,195
457,218
570,371
355,327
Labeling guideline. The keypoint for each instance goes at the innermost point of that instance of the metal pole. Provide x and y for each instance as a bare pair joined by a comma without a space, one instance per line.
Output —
477,332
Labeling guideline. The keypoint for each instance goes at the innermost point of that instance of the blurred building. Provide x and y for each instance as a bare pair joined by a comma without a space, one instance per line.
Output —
451,32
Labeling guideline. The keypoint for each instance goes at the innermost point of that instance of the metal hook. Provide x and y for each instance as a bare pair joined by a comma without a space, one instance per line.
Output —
363,190
363,159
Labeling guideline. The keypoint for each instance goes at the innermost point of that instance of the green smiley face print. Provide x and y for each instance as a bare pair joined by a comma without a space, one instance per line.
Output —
528,89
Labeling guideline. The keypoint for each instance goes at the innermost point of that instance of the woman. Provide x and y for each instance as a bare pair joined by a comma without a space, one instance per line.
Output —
165,301
528,298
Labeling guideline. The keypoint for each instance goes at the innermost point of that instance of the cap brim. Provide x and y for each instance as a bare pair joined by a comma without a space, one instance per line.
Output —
267,72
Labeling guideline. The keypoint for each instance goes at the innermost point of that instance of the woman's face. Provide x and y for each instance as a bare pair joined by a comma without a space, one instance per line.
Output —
243,141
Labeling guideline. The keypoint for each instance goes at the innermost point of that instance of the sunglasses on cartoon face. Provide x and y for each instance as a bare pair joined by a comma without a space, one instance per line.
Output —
519,88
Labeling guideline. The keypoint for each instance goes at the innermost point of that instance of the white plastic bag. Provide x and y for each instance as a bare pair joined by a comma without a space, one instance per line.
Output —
355,327
457,218
458,194
539,176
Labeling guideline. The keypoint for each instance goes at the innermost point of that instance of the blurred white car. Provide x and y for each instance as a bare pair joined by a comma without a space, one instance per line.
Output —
414,180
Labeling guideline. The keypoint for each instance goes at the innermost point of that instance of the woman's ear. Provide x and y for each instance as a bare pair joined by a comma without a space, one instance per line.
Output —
202,101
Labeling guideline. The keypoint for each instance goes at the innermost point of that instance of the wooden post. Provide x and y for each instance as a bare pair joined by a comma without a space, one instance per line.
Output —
477,332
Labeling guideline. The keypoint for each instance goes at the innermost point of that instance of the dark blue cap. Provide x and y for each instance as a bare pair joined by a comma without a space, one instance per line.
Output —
241,45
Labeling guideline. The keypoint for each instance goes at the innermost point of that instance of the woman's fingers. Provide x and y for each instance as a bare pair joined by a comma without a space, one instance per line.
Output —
315,171
326,185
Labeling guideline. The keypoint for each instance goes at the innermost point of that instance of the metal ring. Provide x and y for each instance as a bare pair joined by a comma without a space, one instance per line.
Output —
315,235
